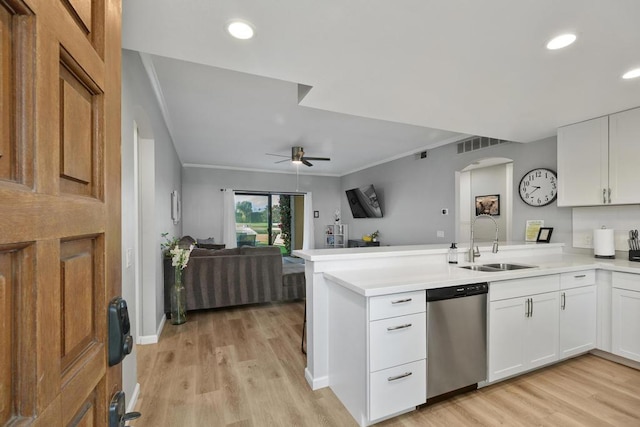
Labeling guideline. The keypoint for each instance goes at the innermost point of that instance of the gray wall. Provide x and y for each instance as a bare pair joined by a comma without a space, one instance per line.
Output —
139,105
414,191
202,198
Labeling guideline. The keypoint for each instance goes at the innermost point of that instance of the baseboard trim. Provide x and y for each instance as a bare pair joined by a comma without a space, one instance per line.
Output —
152,339
617,359
315,383
133,401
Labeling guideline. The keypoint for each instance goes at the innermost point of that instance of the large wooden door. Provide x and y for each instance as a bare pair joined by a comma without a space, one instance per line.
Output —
59,209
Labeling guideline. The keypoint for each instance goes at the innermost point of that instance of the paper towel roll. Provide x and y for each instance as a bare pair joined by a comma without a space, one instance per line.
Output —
603,243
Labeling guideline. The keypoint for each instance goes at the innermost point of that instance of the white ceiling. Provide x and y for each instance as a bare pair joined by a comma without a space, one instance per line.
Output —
384,75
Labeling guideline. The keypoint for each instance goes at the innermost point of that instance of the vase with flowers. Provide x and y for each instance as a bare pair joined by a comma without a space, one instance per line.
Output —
179,260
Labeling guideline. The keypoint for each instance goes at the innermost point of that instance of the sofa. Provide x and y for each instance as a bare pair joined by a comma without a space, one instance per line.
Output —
238,276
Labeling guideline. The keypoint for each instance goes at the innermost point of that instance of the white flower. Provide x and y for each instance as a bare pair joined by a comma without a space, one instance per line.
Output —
180,257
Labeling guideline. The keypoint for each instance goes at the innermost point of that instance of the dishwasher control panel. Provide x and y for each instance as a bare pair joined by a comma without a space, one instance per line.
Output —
457,291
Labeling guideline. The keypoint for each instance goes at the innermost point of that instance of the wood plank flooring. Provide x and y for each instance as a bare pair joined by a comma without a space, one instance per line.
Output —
243,367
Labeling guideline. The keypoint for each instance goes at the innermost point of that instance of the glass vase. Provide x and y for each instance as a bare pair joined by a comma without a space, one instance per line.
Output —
178,299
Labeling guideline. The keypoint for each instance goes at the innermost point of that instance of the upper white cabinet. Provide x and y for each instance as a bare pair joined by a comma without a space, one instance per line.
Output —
624,152
583,162
596,160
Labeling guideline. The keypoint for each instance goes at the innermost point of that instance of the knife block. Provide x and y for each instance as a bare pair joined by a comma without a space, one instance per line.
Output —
634,255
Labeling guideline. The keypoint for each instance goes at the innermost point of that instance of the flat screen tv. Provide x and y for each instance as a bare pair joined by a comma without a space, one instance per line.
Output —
364,202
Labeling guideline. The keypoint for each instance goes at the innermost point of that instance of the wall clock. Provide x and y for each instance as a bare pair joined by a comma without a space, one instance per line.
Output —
538,187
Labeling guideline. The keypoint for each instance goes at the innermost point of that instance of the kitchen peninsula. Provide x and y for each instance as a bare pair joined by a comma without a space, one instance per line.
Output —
343,287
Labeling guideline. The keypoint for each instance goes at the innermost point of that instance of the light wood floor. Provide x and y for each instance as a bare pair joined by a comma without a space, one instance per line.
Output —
243,367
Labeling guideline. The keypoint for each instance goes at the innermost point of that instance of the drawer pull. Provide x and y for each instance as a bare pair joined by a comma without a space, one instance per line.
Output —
393,328
397,377
400,301
580,276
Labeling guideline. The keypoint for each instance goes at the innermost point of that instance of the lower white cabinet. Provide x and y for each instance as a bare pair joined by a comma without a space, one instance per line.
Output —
523,334
377,352
577,321
396,389
626,315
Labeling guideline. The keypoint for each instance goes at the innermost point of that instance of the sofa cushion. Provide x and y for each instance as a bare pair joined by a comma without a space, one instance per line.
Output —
197,252
259,250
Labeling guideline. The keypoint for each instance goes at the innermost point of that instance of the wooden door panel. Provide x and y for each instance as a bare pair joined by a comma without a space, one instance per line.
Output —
17,35
6,95
81,147
17,358
59,208
6,328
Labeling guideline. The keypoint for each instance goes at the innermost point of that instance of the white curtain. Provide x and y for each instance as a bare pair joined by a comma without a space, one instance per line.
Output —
308,241
229,218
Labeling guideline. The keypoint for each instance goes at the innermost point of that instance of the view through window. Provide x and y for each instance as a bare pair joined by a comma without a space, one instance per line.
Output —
263,220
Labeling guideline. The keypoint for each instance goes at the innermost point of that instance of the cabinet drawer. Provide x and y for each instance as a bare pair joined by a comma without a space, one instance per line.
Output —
577,279
399,304
523,287
396,389
626,281
397,340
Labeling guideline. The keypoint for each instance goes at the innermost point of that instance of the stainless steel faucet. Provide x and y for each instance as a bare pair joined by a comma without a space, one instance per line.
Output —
474,251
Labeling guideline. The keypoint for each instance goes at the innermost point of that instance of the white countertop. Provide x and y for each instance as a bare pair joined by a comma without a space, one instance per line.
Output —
382,281
404,250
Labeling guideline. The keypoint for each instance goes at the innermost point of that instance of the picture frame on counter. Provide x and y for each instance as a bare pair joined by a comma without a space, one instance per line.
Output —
544,234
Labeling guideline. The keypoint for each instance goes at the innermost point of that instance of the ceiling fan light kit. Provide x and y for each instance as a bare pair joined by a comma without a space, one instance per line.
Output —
297,157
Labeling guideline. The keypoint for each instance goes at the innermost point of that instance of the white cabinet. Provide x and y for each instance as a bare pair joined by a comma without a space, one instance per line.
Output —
397,353
523,325
336,236
626,315
624,152
577,313
582,179
597,160
377,352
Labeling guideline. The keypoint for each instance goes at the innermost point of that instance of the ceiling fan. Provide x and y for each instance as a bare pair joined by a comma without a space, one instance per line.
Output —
297,157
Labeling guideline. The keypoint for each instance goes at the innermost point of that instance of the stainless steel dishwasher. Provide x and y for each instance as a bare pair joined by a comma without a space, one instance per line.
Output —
456,338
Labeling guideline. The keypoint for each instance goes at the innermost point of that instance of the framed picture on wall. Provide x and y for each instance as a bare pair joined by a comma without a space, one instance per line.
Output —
488,205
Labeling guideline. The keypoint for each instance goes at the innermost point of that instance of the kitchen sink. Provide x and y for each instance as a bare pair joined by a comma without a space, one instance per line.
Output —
480,268
507,266
493,267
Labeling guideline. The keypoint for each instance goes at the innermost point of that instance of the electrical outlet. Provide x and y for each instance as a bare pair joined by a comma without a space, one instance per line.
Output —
440,234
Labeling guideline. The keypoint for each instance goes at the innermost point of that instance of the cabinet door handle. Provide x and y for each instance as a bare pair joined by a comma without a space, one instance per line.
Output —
400,301
531,311
609,196
604,195
563,302
526,312
394,328
397,377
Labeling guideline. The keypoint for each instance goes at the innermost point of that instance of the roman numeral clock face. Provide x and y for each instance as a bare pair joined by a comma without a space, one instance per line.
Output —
539,187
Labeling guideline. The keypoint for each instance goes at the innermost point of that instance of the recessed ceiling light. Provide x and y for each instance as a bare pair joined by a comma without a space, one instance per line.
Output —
631,74
240,30
561,41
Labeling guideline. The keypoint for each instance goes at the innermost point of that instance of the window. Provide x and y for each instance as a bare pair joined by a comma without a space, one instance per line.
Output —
269,219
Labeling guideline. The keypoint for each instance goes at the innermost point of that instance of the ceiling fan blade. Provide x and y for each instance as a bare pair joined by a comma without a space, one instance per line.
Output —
282,161
316,158
277,155
306,162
